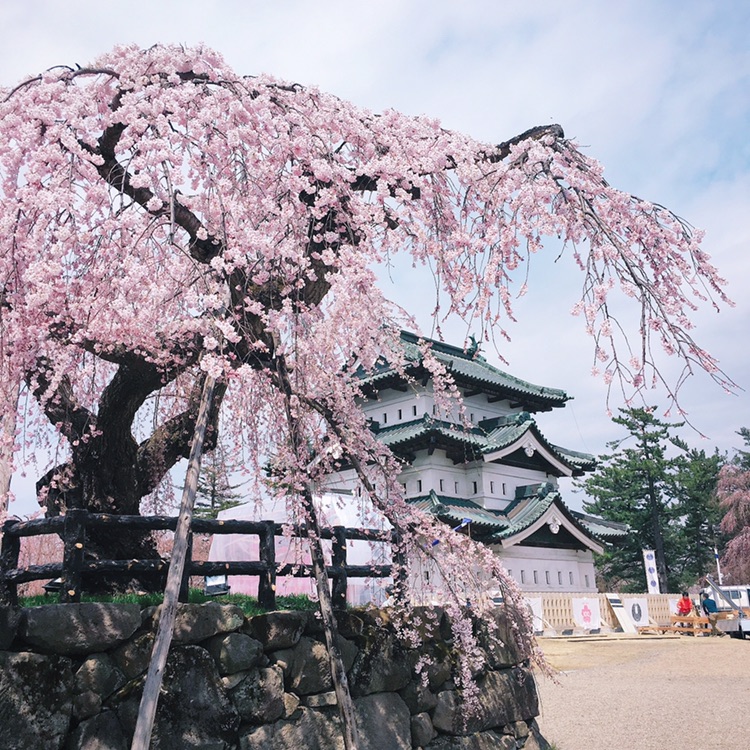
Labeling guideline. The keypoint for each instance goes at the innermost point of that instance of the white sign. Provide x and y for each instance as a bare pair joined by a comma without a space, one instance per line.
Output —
535,607
652,579
637,608
586,613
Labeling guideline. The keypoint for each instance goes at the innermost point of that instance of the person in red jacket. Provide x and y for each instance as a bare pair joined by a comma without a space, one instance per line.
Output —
684,605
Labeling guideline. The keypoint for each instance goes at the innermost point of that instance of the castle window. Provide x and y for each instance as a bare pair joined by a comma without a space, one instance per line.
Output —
455,484
536,577
414,410
523,576
399,415
385,418
587,581
504,492
559,578
471,417
546,576
475,487
419,485
492,488
441,485
570,574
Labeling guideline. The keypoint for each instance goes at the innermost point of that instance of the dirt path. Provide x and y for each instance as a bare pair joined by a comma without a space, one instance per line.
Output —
647,693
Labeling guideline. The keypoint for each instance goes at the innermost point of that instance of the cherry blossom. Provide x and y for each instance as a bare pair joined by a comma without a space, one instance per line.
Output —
164,219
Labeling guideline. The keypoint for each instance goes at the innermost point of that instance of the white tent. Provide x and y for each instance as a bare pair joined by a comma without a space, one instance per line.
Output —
334,509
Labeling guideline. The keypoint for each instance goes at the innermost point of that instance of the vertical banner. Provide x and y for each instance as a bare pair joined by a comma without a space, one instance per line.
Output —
652,580
535,607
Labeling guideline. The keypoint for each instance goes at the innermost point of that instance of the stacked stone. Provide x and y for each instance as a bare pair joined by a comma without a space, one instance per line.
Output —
71,676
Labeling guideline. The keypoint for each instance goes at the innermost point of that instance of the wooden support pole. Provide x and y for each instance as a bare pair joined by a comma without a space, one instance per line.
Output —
152,686
338,672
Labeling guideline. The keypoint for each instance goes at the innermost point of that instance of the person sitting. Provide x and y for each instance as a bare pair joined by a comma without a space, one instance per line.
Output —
712,613
685,605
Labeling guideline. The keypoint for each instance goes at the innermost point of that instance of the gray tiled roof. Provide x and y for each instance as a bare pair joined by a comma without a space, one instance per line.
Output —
488,436
471,370
496,525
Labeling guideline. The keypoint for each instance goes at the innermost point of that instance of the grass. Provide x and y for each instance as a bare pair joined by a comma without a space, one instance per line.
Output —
248,604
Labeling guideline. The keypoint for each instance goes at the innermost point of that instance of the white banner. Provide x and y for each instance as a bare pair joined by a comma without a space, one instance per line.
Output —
637,608
535,607
586,613
652,580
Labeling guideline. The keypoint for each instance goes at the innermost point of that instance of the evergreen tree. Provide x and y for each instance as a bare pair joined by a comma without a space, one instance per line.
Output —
699,514
215,491
635,485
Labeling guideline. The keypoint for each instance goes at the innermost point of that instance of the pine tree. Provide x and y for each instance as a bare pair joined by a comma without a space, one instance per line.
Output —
635,485
699,514
215,491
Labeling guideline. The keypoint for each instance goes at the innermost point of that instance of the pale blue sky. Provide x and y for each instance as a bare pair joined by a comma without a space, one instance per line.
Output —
659,92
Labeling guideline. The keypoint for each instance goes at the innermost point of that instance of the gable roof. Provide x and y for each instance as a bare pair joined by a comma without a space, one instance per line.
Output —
470,371
538,506
514,439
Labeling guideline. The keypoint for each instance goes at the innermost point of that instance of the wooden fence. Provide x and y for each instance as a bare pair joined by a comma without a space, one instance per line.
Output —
72,570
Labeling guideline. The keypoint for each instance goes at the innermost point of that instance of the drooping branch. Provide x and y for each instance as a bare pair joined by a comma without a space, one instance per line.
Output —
60,406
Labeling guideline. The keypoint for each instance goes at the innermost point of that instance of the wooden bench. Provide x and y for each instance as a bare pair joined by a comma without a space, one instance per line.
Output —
684,625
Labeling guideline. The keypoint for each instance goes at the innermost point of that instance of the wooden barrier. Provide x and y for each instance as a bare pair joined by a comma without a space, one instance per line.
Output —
74,566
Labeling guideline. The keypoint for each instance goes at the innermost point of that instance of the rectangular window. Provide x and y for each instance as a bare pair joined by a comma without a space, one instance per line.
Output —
546,576
559,578
492,488
523,576
570,574
385,419
399,415
419,485
441,485
455,485
587,581
504,489
474,484
414,410
434,409
471,417
536,577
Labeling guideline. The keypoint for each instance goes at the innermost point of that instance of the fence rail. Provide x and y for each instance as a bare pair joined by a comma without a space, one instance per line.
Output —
72,527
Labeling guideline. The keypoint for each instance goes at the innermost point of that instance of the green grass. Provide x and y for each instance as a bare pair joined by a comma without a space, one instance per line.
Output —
248,604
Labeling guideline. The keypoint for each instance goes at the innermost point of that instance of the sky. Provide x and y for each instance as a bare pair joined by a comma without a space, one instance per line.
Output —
659,92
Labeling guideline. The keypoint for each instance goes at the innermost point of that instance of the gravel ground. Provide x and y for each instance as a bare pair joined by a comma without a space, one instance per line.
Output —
646,693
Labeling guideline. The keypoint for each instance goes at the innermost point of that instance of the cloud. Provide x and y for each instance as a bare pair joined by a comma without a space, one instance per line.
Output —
656,91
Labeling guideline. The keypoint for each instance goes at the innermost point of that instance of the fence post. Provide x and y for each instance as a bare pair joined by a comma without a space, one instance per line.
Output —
184,593
338,560
74,541
9,553
400,579
267,580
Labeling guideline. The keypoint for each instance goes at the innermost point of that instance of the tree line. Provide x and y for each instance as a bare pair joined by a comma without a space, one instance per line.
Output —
687,505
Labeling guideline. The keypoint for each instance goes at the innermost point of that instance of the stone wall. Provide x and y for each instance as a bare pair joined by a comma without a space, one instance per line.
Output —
71,677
